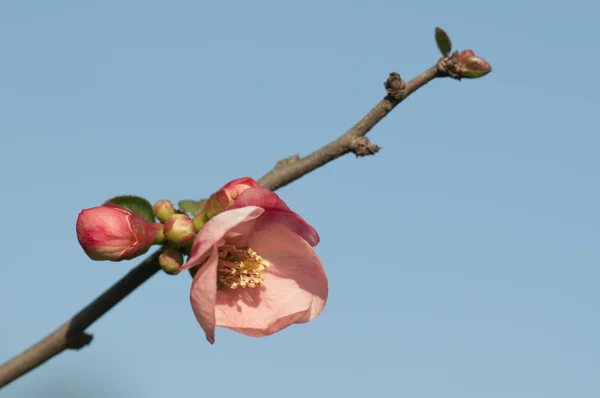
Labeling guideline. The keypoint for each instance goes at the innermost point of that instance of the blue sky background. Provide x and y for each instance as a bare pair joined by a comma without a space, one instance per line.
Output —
463,258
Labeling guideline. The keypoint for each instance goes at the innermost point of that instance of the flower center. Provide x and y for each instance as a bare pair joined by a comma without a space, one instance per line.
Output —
240,267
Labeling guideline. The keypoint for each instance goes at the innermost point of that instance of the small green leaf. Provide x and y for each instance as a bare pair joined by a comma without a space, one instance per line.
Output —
192,207
443,41
135,204
189,206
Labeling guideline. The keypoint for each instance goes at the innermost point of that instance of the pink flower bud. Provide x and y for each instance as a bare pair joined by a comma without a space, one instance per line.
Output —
471,66
163,210
236,187
110,232
224,197
465,54
179,229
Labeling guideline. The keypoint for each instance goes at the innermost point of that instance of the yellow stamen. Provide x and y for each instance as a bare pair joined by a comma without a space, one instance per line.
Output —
240,267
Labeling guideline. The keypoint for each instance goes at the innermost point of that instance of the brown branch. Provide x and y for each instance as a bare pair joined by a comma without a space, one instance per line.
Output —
354,140
72,333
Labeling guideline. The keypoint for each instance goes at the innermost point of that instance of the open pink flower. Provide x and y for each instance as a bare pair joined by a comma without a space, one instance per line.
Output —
258,272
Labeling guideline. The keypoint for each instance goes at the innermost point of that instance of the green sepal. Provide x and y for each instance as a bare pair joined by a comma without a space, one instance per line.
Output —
135,204
189,206
192,207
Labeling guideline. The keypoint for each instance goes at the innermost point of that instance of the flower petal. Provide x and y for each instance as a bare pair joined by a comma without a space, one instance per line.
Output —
203,295
295,288
276,211
292,258
229,222
262,311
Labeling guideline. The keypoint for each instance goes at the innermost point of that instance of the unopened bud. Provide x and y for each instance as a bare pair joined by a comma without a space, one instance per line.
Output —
179,229
158,233
170,260
224,197
471,66
464,54
110,232
217,203
200,220
163,210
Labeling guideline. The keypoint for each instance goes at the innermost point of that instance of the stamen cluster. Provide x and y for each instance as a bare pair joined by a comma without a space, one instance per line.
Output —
240,267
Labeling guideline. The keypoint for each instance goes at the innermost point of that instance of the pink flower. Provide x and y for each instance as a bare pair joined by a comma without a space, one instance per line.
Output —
110,232
258,272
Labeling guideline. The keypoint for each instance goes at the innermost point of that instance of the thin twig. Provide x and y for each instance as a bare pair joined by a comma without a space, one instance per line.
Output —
72,333
354,140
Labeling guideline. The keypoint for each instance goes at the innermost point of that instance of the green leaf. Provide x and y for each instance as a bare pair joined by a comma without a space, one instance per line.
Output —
135,204
443,41
192,207
189,206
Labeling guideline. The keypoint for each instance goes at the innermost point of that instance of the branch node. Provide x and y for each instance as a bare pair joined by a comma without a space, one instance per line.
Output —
448,66
78,340
361,146
288,160
394,86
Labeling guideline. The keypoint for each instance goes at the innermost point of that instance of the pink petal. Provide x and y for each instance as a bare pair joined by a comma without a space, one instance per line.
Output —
291,257
276,211
295,287
261,311
203,295
228,223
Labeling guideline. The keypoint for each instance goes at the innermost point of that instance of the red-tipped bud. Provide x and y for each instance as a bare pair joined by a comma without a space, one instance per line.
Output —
471,66
224,197
179,229
110,232
465,54
170,260
163,210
